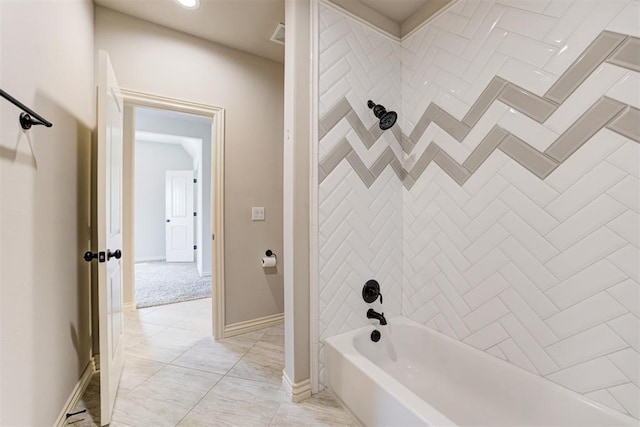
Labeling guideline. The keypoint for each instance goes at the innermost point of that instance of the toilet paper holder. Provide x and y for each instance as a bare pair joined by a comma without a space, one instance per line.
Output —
270,261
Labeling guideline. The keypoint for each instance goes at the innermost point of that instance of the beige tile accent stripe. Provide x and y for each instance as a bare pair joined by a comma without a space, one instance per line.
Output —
608,46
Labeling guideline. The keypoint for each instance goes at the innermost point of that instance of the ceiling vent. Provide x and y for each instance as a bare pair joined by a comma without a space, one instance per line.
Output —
278,34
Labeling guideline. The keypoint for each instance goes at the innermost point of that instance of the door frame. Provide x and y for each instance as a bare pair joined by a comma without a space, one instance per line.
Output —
217,116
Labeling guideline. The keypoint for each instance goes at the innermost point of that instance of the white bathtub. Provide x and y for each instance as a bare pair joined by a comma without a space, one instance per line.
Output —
416,376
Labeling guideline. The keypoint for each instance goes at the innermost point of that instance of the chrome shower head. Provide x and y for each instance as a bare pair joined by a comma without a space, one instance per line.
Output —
387,118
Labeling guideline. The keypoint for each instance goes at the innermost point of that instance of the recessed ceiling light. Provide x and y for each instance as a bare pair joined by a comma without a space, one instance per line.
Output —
189,4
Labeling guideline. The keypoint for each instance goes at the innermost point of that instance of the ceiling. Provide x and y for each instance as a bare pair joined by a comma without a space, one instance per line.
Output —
396,10
245,25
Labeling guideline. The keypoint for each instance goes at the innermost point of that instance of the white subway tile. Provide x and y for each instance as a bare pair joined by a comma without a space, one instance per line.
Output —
600,179
452,232
593,279
495,351
526,50
627,226
451,22
557,8
485,196
515,355
485,314
480,74
451,63
570,20
627,90
450,102
527,129
528,264
596,85
628,361
537,6
528,24
585,159
529,211
486,290
518,333
485,243
627,191
486,171
487,337
595,246
590,376
483,8
528,318
452,274
627,21
626,259
527,76
629,396
628,327
453,43
479,28
453,295
528,237
627,158
585,314
588,30
485,267
587,345
627,293
487,218
451,316
536,299
585,221
528,184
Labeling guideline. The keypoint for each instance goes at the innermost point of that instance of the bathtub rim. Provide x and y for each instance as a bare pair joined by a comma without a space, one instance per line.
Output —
355,357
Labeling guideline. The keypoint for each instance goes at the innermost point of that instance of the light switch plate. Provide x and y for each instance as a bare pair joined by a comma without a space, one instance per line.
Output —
257,214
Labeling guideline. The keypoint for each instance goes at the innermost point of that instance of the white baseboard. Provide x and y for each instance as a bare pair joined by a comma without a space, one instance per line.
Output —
149,258
128,306
297,392
252,325
76,393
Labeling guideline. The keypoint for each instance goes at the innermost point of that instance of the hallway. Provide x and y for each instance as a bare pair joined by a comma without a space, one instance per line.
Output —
176,374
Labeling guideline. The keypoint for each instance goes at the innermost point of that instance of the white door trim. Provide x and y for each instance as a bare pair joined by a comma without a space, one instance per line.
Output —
217,115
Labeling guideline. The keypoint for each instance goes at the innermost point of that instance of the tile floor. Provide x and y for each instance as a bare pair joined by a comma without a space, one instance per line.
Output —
176,374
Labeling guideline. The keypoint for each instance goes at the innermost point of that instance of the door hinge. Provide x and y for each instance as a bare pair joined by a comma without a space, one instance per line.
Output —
195,180
195,247
213,237
195,214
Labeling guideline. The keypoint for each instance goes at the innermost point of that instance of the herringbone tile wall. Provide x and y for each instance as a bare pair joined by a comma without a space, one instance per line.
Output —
360,228
543,273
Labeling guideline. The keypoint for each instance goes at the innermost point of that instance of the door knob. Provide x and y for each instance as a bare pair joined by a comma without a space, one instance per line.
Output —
117,254
168,220
90,256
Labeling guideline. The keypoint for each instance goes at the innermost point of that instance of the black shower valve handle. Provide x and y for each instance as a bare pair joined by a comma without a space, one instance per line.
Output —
371,291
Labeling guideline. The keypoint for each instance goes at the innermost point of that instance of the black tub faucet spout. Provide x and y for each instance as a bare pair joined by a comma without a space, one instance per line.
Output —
372,314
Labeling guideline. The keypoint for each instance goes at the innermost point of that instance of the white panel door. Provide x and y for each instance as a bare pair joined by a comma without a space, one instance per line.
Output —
109,234
179,216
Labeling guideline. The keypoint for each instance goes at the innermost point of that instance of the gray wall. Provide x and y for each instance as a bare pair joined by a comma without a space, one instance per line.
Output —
152,162
47,57
152,59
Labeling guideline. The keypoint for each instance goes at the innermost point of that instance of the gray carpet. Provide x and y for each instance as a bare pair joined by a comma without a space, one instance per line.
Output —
162,282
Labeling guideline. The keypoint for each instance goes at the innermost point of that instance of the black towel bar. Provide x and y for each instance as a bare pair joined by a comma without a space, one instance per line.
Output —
29,117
